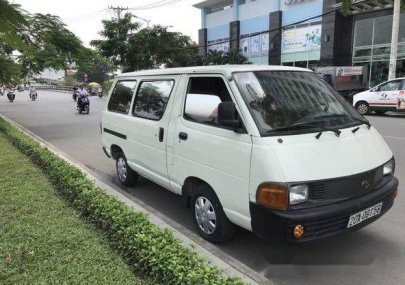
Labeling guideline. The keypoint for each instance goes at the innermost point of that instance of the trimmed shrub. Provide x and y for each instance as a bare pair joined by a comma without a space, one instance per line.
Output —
147,249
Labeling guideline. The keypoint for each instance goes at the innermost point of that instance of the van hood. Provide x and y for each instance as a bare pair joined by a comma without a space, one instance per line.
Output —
305,158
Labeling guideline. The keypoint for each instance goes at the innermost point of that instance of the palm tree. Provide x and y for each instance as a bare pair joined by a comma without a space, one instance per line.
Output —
233,56
213,57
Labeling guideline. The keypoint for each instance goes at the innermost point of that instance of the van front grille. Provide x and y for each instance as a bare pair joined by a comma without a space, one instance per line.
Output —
317,191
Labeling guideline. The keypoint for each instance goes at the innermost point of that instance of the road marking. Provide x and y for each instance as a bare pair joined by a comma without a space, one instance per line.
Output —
391,137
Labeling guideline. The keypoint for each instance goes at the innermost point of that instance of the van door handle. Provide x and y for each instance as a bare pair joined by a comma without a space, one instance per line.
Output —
161,134
183,136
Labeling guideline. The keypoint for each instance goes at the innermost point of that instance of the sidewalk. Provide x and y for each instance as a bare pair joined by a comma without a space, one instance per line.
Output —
42,239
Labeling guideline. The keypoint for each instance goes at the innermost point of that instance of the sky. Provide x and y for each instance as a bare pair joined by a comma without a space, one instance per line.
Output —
84,18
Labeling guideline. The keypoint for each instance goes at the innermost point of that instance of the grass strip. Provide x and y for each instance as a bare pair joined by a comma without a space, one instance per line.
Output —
145,247
42,240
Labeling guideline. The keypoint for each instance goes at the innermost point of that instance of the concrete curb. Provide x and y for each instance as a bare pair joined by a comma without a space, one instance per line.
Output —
226,263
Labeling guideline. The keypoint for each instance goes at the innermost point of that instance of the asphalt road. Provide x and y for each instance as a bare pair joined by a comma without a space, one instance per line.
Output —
373,255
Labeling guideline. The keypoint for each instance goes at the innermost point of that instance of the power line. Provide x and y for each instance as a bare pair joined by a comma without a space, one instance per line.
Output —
83,15
158,4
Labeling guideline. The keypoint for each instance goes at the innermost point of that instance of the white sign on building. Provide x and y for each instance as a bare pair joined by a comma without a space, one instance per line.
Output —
301,39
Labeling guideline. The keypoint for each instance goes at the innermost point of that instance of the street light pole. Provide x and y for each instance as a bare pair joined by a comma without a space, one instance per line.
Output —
394,40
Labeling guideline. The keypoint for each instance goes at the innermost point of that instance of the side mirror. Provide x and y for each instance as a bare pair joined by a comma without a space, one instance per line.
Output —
228,115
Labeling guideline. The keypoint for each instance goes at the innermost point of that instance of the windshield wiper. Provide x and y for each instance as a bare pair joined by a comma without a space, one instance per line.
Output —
366,122
309,127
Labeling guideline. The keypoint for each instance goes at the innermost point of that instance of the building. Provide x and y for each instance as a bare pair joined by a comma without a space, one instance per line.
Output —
304,33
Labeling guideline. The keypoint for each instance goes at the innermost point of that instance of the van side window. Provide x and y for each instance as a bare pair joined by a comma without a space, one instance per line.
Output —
203,97
151,99
121,97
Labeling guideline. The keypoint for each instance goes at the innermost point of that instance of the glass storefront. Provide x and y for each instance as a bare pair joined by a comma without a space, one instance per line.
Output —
372,46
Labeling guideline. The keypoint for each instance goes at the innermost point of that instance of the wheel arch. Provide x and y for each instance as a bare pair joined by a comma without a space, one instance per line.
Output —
115,151
189,187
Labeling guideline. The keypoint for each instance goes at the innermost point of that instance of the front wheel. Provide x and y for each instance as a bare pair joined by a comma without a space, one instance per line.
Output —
87,109
363,108
126,175
209,217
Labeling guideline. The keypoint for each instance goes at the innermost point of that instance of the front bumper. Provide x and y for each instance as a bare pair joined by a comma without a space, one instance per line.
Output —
322,221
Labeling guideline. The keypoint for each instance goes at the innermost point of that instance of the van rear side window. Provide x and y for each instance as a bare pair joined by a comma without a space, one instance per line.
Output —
121,97
151,99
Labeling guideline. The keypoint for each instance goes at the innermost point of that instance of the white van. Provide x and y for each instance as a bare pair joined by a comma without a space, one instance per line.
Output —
271,149
386,96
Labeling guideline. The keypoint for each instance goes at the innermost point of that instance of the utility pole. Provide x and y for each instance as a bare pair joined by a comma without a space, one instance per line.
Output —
117,10
394,40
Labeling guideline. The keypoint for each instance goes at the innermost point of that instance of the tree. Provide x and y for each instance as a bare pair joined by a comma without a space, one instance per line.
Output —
38,41
133,48
97,69
116,34
157,46
51,46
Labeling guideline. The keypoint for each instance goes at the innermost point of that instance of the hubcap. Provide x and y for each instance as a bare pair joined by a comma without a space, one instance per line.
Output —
122,169
205,215
362,108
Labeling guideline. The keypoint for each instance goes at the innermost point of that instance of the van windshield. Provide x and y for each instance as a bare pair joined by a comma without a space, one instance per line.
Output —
279,101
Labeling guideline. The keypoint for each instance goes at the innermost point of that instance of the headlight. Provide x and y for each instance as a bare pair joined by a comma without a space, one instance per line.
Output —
389,167
298,194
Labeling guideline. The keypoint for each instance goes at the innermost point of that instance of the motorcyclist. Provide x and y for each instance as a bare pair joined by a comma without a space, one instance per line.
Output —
31,90
82,93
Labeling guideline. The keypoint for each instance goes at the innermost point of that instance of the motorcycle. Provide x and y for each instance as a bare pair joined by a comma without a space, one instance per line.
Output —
83,105
33,95
100,94
11,95
20,88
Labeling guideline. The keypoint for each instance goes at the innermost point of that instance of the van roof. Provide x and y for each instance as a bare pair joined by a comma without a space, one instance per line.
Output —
222,69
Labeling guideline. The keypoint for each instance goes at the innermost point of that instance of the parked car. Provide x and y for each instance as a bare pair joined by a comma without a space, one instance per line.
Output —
272,149
387,96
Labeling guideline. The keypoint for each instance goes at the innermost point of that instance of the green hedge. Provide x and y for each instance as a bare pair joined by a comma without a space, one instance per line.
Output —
147,248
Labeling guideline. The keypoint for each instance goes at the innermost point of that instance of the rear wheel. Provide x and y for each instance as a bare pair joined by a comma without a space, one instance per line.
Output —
363,108
126,175
209,217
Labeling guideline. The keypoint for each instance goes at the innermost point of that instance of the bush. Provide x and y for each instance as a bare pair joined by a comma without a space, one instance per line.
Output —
146,248
70,81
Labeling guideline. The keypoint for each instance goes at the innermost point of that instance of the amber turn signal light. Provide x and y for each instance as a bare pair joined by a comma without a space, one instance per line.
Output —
298,231
396,193
273,195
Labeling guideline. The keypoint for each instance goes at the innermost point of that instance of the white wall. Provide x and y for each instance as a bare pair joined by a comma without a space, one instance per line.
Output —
257,8
219,18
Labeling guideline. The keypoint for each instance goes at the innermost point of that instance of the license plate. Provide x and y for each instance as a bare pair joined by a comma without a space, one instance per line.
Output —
364,215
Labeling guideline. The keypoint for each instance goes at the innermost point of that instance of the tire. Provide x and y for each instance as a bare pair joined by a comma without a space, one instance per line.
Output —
380,112
209,217
87,109
126,175
363,108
